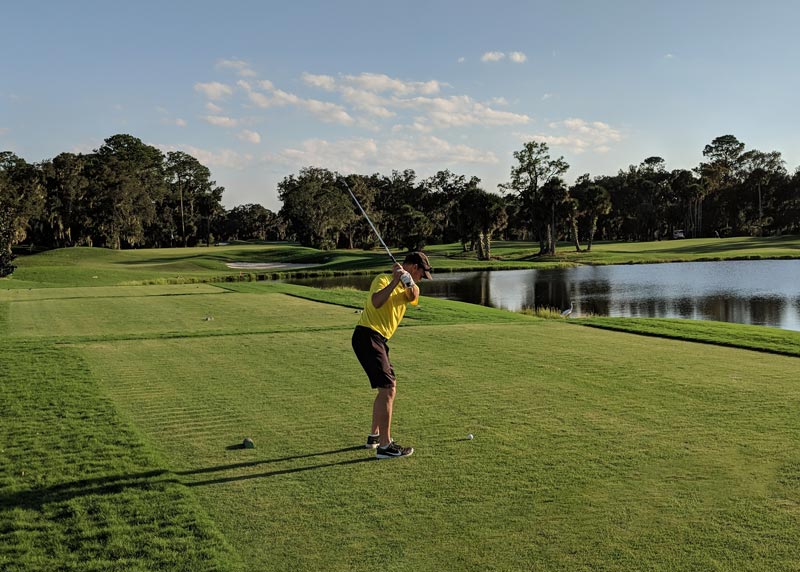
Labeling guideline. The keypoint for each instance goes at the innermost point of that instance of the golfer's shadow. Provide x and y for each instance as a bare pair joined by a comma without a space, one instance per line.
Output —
274,473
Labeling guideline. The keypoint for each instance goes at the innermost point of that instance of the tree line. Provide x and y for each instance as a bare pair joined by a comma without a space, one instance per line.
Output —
127,194
733,192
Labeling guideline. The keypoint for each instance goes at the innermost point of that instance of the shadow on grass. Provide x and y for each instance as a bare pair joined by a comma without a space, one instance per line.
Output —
221,480
247,464
37,497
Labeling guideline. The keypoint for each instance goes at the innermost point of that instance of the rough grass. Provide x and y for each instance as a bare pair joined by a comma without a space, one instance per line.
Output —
593,450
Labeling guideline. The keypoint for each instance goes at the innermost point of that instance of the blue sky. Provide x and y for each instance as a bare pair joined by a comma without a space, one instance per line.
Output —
258,90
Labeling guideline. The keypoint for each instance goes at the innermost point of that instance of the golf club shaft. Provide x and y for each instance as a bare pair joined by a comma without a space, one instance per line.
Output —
366,216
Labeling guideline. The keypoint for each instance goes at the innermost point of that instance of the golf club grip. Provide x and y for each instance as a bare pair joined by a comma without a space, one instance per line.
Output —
366,216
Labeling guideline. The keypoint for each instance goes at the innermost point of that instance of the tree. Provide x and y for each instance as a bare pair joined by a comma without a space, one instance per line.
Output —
689,193
480,214
533,170
399,196
22,196
720,176
191,195
414,228
6,238
597,203
314,207
127,182
555,200
65,212
761,171
252,222
445,190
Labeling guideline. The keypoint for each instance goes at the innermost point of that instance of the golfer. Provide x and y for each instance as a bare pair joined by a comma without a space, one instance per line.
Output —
385,307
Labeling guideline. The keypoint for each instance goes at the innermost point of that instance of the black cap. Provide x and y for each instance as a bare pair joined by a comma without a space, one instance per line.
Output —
420,260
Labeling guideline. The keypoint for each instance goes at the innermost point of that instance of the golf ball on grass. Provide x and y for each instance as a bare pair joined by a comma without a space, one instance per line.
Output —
470,437
248,443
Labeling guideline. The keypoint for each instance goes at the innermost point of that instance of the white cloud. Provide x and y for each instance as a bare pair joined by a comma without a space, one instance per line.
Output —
370,102
361,154
328,112
429,149
241,67
492,56
669,56
281,98
579,135
462,110
346,155
214,90
221,121
275,97
249,136
326,82
461,60
517,57
227,158
366,101
177,122
323,110
547,96
380,83
420,125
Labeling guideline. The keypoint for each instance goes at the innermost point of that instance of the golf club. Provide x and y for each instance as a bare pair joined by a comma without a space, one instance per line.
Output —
366,216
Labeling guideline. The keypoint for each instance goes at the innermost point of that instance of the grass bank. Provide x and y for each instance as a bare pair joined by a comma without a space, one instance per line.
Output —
593,449
78,267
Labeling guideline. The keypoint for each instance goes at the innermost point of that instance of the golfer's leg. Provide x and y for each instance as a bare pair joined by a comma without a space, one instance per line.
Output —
382,413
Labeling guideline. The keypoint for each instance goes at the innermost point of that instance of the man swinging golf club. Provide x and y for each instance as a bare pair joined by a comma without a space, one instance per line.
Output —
385,307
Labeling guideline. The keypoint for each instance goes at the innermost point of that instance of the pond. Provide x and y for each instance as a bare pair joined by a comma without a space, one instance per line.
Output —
761,292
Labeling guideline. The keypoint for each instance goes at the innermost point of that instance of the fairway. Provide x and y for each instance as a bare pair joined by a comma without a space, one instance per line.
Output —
593,450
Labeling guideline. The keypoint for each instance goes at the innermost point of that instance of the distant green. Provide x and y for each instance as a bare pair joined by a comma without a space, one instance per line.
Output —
82,266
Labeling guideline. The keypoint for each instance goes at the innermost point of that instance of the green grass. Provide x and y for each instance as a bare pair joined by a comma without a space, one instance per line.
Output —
593,449
79,488
79,267
718,333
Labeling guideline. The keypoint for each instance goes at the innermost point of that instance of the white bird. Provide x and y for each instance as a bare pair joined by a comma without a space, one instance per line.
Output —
567,312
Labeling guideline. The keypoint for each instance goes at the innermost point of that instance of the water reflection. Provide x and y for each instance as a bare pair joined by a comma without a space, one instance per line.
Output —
764,292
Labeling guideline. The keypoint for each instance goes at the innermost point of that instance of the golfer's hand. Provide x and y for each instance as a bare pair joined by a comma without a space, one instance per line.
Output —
397,272
407,280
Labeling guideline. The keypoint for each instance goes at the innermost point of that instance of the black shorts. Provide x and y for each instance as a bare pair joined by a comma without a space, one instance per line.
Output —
373,354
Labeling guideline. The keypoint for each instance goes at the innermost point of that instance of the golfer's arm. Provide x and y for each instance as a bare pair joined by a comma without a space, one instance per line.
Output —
412,294
380,297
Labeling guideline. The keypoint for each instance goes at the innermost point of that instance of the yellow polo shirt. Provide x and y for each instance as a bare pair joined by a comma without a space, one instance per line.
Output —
385,319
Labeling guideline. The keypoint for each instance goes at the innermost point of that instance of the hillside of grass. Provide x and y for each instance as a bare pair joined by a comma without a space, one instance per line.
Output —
124,408
81,266
743,336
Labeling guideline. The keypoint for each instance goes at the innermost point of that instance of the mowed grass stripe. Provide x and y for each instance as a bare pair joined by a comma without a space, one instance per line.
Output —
28,295
201,314
79,489
593,450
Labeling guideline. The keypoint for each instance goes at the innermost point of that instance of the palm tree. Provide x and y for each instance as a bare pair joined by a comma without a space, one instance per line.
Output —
598,202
